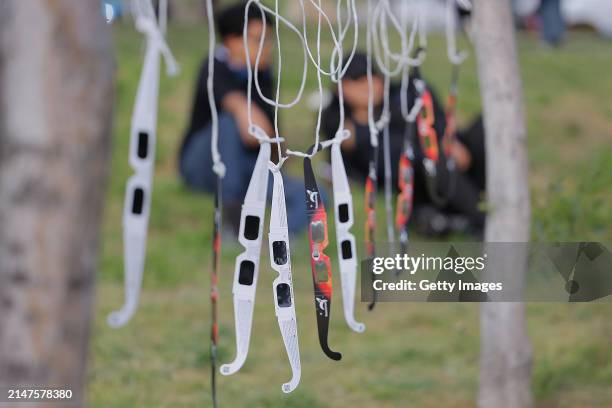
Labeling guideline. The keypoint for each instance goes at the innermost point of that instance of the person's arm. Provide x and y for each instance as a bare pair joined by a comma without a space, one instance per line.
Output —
236,104
462,156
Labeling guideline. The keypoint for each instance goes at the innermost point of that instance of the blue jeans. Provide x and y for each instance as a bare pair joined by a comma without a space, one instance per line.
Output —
196,170
553,25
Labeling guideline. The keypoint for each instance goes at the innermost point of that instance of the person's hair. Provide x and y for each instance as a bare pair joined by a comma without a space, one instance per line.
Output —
230,20
358,68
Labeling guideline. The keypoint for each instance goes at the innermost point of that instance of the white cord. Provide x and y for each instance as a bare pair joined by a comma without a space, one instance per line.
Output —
331,72
317,63
319,84
254,130
378,48
371,121
456,58
146,23
339,50
341,108
382,13
279,74
338,67
409,116
218,166
279,18
387,157
379,32
163,16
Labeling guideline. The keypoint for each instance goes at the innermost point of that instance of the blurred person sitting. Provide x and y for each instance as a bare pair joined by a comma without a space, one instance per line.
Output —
237,147
461,213
553,24
543,15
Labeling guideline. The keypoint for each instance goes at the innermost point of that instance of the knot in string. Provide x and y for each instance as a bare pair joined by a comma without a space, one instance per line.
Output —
262,137
340,137
276,167
219,169
384,120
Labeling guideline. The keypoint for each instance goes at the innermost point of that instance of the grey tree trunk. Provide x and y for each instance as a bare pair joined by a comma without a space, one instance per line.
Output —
505,357
56,96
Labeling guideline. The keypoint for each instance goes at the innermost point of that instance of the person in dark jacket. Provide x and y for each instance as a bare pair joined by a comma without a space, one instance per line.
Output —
461,211
237,147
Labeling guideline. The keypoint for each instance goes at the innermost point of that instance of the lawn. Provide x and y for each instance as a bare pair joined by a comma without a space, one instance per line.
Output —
420,355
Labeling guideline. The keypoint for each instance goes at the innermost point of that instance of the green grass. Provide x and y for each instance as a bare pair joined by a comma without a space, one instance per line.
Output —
422,355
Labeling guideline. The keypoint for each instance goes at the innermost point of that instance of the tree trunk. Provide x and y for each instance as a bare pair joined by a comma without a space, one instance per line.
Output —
56,96
505,358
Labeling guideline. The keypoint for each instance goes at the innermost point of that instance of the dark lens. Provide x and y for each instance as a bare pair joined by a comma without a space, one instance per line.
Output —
143,145
247,272
343,212
251,227
347,249
283,295
317,229
279,249
138,201
321,271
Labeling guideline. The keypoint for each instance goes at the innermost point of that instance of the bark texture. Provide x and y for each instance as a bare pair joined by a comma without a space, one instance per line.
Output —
56,97
505,358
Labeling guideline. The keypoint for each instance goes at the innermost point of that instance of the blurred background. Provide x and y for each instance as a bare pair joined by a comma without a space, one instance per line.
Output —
422,355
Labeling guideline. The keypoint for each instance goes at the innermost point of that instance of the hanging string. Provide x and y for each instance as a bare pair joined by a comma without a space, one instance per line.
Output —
279,18
338,66
319,83
456,58
340,135
256,131
320,88
218,166
410,115
163,16
371,121
382,20
351,18
387,159
380,31
312,58
219,170
341,108
279,74
337,69
146,23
